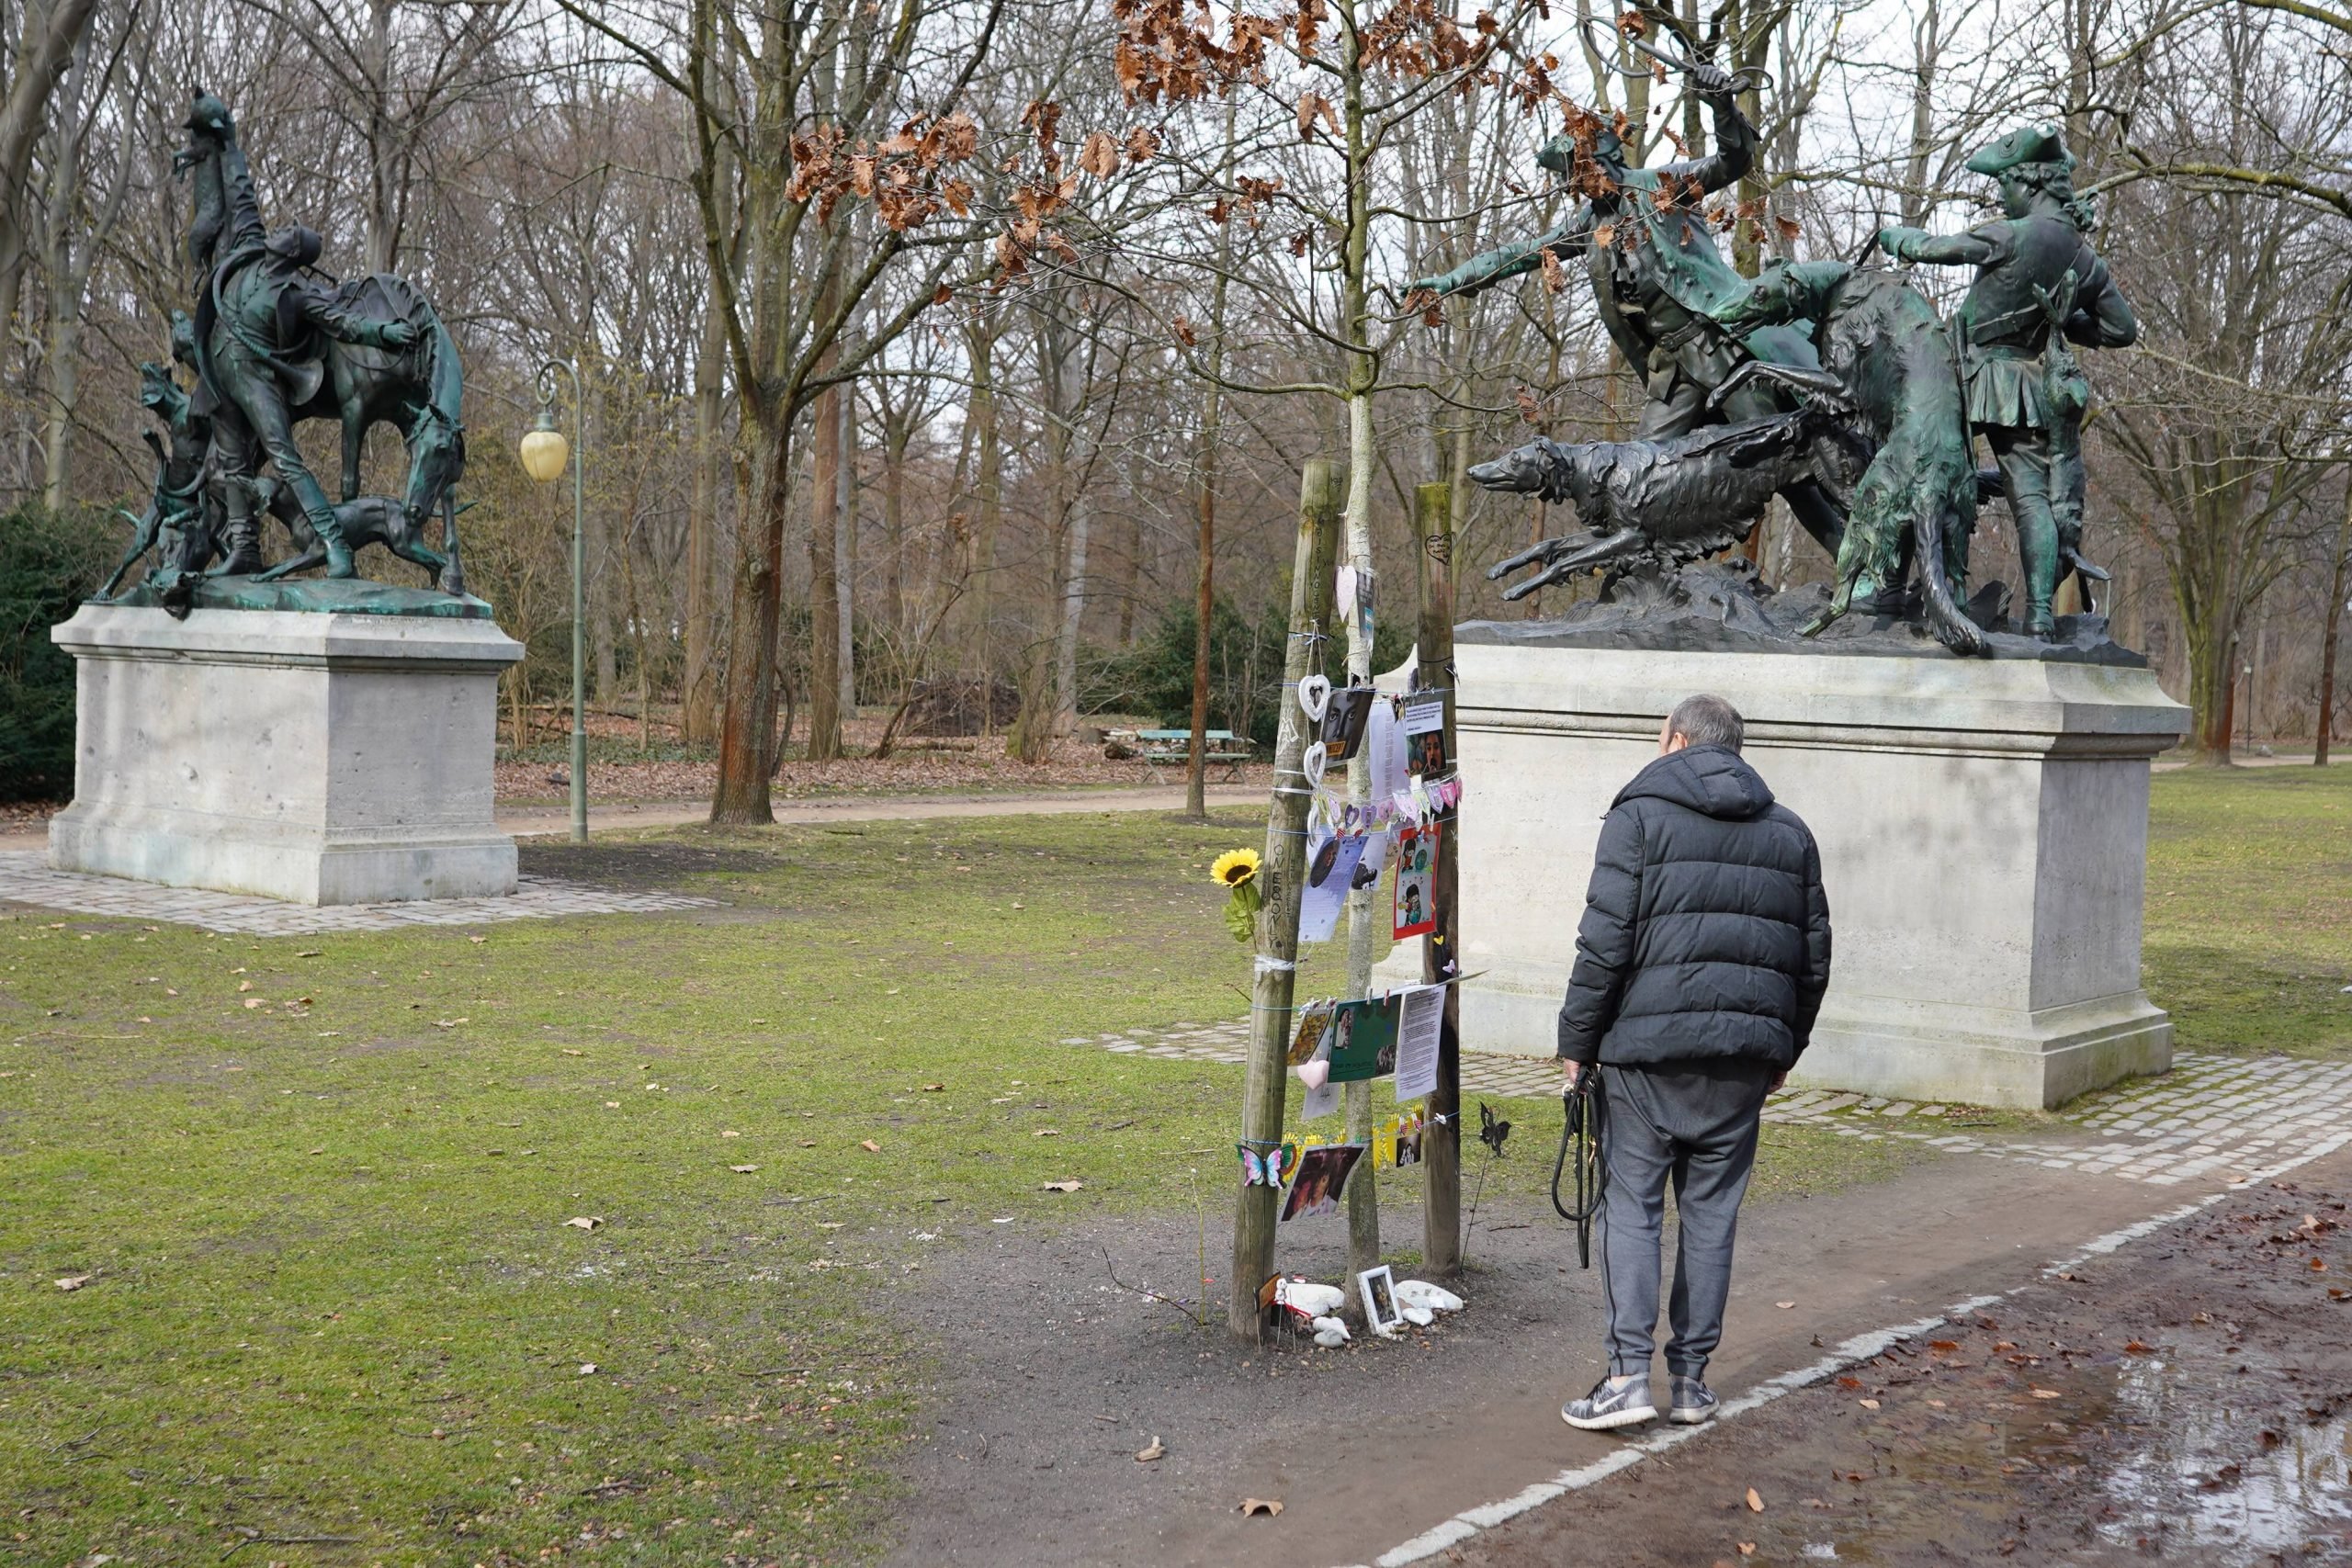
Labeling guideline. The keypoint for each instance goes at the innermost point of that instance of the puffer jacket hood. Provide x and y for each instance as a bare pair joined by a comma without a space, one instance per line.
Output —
1706,930
1712,780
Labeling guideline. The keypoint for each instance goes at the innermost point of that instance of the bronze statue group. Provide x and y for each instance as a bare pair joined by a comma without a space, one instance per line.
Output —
272,343
1834,386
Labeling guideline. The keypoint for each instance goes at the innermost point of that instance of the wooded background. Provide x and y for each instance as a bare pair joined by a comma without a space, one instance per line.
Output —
925,341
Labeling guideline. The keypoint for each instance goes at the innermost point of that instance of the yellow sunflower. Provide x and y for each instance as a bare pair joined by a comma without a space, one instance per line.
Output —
1234,868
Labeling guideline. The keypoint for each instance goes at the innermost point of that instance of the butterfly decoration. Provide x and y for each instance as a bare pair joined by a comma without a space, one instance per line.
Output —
1492,1129
1260,1168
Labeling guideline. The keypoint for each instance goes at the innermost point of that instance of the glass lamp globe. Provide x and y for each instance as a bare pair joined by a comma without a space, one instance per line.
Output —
544,449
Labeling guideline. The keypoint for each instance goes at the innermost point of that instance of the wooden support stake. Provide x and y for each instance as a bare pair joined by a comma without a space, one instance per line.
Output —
1440,1141
1282,878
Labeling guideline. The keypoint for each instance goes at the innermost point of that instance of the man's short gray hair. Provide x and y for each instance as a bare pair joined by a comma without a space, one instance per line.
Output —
1707,720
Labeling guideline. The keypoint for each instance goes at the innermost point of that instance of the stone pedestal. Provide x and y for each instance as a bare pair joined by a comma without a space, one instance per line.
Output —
1982,827
316,756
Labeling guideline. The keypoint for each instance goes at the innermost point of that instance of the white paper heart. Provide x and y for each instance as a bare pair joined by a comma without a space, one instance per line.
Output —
1312,1073
1315,760
1315,695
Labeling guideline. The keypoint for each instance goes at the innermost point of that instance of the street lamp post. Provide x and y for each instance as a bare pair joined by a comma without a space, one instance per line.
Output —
543,454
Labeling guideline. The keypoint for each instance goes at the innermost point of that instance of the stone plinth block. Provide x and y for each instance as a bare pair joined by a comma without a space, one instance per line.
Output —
1984,839
319,757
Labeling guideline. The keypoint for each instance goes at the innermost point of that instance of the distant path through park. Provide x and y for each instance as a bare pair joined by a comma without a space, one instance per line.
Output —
533,821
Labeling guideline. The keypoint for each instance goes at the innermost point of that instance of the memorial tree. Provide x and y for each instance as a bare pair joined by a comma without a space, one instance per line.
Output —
1320,97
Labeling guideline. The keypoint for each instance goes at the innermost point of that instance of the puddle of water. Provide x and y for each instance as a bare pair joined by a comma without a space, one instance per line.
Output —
2193,1473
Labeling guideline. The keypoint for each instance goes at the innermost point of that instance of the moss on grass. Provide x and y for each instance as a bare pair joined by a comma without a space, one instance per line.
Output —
320,1187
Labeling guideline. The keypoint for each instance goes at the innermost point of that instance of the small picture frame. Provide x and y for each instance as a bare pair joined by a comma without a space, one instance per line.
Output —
1378,1289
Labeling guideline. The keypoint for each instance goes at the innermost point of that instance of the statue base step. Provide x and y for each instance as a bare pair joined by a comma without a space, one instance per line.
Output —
1982,827
318,758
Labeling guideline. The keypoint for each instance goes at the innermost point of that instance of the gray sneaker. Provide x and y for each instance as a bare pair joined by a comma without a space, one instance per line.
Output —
1607,1407
1692,1402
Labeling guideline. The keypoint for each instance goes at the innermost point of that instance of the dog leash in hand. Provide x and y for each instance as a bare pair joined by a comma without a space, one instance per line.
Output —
1580,1143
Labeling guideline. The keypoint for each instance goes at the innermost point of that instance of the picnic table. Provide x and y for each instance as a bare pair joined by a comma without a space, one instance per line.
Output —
1157,749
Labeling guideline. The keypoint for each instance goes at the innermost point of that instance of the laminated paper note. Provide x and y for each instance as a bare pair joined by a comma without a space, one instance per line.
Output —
1420,1024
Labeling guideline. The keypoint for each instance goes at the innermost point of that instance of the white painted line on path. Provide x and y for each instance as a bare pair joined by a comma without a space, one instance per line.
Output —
1848,1353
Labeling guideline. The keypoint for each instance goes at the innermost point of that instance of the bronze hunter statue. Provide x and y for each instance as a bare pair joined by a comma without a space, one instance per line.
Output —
2039,288
259,330
273,343
1643,239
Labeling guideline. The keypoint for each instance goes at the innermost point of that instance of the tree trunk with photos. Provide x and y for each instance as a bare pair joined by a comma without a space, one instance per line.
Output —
1282,878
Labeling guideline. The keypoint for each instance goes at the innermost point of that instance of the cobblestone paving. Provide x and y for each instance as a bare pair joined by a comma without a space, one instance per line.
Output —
26,878
2215,1117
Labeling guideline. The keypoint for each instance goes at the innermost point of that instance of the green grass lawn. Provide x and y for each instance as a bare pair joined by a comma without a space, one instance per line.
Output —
320,1190
2249,926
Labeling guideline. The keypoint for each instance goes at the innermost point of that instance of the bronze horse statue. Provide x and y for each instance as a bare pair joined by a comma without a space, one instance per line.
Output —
416,391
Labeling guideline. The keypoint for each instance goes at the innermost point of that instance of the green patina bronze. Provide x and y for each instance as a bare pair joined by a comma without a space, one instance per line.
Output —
2039,284
334,595
1886,365
1658,279
271,345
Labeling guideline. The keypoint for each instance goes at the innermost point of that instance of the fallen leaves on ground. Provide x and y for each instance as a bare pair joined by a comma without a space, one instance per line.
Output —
1755,1501
72,1282
1266,1506
1151,1451
584,1222
961,763
742,1169
870,1147
1072,1185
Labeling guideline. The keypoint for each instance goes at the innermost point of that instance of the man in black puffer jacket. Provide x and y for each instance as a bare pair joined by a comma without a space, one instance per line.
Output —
1699,968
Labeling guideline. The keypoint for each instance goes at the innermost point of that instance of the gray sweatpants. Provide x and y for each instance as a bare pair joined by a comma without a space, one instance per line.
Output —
1693,1125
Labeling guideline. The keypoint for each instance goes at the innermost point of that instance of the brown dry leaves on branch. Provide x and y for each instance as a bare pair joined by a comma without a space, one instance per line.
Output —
1049,189
1313,106
909,177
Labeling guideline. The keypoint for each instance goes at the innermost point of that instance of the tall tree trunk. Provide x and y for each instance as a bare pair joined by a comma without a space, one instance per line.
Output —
1073,611
698,697
1205,590
824,567
1281,879
747,730
2336,587
987,498
48,49
65,278
1362,372
1196,769
897,434
2212,642
1926,47
845,521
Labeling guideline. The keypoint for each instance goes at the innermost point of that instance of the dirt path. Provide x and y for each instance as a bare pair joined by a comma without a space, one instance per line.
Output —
2186,1400
1053,1378
539,821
